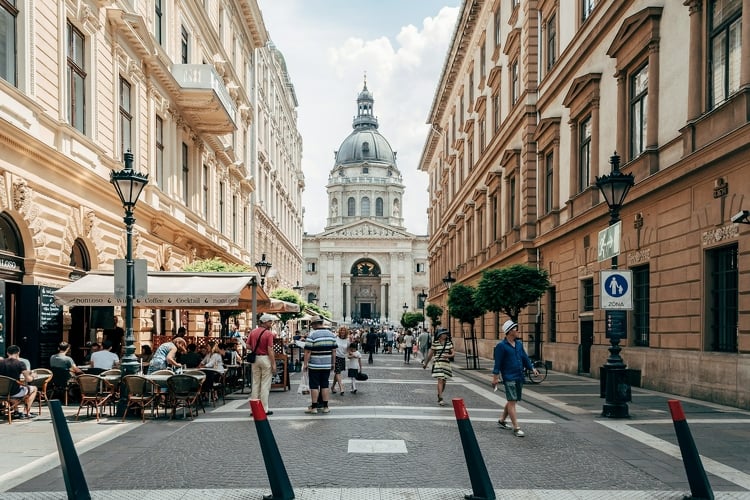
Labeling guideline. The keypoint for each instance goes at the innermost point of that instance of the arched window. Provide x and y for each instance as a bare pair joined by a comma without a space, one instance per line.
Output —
10,240
378,207
79,256
365,208
350,207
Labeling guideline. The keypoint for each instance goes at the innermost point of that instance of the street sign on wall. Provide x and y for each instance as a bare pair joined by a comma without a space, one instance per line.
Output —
609,242
616,290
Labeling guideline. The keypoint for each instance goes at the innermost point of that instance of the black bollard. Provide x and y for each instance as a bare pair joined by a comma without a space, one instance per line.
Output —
75,482
281,488
699,485
480,479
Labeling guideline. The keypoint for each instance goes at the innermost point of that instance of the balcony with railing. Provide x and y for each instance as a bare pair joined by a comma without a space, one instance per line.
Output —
204,98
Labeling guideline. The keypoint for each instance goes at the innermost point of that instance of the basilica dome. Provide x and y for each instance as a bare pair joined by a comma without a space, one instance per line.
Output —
365,144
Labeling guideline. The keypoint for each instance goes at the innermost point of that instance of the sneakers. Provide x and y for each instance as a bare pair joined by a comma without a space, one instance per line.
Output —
325,409
311,410
503,424
518,432
441,402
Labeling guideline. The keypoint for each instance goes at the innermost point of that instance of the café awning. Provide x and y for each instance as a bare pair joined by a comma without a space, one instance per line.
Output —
171,290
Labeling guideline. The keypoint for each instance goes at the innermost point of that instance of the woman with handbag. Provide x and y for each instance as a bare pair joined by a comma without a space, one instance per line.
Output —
441,353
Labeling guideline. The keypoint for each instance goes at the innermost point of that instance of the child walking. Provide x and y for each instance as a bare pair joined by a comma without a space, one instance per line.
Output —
353,364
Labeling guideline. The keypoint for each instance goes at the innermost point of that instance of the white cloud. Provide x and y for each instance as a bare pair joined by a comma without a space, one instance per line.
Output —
327,73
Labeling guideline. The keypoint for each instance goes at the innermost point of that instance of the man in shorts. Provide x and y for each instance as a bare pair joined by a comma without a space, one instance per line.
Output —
14,368
510,360
320,358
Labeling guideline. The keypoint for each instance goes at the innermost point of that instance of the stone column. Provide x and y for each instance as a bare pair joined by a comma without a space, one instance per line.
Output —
695,61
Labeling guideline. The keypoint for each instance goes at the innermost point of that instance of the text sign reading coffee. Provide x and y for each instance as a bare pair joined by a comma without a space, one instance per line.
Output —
616,290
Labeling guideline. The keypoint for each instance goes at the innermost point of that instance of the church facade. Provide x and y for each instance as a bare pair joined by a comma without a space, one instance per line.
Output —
364,267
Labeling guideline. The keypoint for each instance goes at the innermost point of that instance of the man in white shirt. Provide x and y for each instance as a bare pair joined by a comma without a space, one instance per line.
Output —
105,359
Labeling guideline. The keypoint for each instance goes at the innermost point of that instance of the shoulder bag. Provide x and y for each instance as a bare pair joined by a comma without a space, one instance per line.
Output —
251,355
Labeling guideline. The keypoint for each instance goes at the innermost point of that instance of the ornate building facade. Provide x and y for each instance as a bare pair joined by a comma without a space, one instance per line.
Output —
81,83
277,217
365,267
534,98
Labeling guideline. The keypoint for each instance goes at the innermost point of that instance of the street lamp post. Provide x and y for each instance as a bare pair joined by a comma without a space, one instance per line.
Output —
615,188
129,184
263,267
422,297
448,282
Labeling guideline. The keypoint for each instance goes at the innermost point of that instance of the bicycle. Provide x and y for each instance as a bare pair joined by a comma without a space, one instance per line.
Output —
541,368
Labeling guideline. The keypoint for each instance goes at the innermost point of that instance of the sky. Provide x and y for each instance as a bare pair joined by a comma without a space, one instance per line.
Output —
328,46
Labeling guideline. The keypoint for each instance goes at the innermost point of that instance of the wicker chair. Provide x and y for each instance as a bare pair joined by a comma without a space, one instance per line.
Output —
9,403
142,393
95,393
183,392
42,378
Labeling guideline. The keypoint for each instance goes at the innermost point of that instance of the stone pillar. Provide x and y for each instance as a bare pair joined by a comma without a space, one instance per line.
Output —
695,61
652,131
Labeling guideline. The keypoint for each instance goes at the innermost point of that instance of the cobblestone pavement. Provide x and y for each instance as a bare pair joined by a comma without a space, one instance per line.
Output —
391,440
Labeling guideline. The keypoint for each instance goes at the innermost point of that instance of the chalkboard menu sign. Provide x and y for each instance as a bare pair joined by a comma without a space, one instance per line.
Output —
50,324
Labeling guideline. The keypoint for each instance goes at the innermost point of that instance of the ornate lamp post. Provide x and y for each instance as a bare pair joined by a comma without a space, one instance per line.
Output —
614,188
129,184
422,298
448,282
263,267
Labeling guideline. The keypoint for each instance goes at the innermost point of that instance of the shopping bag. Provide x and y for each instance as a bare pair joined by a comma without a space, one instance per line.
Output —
304,384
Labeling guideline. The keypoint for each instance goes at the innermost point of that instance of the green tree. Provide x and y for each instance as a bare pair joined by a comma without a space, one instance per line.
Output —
463,305
434,312
411,319
217,265
288,295
511,289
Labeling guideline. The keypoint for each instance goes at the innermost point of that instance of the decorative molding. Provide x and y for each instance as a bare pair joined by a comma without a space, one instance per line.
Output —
719,234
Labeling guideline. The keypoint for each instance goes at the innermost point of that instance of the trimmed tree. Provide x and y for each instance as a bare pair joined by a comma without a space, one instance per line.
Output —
411,319
463,305
434,312
217,265
511,289
289,296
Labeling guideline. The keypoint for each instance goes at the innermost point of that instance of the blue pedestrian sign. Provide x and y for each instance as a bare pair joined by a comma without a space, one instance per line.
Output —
616,290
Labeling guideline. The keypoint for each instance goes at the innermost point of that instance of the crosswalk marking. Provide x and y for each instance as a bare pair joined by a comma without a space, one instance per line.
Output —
377,446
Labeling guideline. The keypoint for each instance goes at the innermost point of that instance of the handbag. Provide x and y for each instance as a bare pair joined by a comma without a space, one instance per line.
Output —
361,376
251,356
449,359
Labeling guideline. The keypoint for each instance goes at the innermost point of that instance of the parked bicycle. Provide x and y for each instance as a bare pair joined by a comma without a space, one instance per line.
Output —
541,368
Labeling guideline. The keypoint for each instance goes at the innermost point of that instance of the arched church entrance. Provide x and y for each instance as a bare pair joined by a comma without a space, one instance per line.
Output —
367,304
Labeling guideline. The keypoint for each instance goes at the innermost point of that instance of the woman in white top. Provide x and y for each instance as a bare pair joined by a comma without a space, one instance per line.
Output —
408,343
213,367
342,345
214,360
